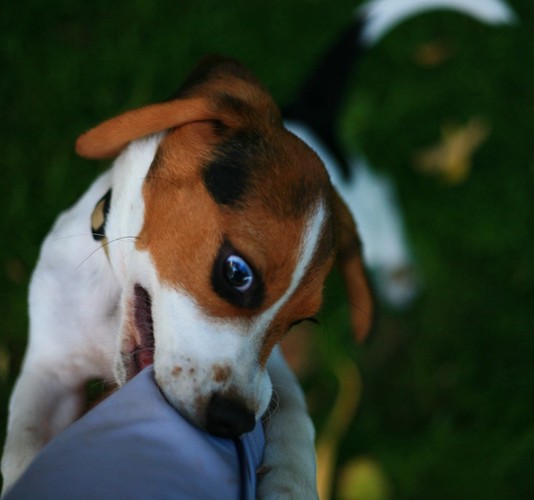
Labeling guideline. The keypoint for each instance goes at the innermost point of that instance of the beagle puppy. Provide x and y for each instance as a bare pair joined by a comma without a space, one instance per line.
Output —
207,240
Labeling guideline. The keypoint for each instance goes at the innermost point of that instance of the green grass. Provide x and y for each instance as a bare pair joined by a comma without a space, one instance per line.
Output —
447,403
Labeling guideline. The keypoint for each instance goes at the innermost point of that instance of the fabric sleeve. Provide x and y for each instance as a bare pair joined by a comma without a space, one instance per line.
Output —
134,445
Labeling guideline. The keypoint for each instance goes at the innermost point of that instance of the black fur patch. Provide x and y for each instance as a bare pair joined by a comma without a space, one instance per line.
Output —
249,299
232,104
319,101
227,176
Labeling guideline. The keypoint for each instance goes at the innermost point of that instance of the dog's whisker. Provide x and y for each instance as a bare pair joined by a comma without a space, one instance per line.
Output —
103,246
69,236
100,235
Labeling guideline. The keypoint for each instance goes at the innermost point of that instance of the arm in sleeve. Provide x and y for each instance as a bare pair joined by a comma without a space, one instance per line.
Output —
135,445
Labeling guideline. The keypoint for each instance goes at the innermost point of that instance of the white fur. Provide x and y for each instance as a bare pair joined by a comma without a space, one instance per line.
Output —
127,207
73,319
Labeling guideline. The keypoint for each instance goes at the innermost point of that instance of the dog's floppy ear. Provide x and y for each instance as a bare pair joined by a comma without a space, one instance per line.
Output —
110,137
349,259
219,89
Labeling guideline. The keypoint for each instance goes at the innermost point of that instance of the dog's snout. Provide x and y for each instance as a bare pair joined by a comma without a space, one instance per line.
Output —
227,417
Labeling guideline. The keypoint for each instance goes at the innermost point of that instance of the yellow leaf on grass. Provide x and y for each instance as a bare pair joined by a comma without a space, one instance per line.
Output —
363,479
451,158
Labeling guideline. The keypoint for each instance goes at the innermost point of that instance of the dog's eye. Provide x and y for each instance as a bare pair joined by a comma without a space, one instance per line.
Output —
235,279
238,273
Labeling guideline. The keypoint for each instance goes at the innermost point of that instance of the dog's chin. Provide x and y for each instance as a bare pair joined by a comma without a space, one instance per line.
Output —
142,354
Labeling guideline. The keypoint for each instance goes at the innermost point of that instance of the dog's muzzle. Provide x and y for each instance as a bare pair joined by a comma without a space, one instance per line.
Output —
226,415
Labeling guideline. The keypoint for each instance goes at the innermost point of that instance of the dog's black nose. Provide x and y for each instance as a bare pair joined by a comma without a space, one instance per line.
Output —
228,418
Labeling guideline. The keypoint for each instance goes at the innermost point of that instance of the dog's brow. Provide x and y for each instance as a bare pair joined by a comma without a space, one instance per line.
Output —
324,249
310,240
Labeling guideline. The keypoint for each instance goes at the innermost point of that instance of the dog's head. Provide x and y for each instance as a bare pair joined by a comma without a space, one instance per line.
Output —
235,227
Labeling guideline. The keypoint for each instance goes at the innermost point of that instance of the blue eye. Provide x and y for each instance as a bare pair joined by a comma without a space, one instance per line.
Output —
238,273
235,280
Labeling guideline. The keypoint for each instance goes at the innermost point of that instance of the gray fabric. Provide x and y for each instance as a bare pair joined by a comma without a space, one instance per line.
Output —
135,445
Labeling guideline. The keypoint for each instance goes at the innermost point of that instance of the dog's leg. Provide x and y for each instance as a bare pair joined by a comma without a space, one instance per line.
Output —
288,469
41,405
73,297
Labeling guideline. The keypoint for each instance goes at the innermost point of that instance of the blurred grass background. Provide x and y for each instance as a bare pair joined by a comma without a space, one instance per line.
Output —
448,385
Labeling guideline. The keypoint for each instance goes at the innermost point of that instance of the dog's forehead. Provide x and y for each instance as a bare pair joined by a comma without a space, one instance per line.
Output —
277,172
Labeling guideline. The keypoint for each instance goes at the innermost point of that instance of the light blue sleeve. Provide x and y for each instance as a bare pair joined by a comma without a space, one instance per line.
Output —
134,445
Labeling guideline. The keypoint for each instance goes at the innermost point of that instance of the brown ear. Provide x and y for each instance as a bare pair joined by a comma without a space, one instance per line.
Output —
110,137
218,89
350,261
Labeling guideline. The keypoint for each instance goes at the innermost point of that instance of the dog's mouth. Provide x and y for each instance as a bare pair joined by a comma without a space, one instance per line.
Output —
143,353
